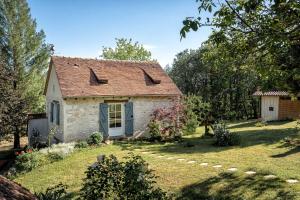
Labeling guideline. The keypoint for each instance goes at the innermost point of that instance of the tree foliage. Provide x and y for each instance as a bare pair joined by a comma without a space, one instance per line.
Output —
25,58
220,76
268,32
126,49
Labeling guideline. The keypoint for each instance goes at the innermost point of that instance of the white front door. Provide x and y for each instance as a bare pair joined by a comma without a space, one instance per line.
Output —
116,119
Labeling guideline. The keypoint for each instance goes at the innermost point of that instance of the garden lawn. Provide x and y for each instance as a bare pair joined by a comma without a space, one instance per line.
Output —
262,150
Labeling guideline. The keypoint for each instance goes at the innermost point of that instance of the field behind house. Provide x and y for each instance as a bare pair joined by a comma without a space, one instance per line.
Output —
262,150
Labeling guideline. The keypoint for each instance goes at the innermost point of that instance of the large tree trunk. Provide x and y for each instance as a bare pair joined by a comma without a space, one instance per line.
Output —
17,141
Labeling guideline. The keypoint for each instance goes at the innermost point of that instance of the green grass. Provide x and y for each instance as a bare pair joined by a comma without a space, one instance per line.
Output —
261,149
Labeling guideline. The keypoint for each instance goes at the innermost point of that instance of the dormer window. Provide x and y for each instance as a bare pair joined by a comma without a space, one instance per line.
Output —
150,75
96,79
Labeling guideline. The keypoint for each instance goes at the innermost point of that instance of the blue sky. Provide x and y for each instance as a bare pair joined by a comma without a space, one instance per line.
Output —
81,28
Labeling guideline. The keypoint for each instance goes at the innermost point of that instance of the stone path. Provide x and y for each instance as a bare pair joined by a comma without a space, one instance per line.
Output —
204,164
217,166
270,176
292,181
250,172
233,169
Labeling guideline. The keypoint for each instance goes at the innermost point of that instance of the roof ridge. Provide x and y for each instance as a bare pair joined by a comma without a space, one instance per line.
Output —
109,60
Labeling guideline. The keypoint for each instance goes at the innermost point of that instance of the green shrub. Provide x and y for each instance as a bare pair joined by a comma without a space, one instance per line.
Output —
27,161
111,179
95,138
154,131
224,137
81,144
261,123
54,156
191,123
57,192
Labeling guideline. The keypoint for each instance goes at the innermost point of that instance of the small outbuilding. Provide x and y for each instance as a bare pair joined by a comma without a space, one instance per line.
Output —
114,97
278,105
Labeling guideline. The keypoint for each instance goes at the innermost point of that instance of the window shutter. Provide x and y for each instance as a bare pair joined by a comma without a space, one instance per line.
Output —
129,119
103,119
57,113
51,111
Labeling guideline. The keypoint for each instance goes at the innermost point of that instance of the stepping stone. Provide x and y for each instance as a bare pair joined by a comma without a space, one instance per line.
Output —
145,152
233,169
191,162
292,181
271,176
137,149
181,159
204,164
160,156
170,158
217,166
250,172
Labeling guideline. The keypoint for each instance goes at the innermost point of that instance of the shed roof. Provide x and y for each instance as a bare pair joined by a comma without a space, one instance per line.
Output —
271,93
80,77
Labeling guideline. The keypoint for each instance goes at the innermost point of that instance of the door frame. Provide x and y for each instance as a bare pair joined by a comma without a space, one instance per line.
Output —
119,131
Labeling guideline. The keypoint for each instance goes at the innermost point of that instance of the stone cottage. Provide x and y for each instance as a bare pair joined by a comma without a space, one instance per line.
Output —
114,97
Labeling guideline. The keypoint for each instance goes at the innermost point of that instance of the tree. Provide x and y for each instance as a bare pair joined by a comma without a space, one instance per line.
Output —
221,75
12,106
126,50
269,28
26,58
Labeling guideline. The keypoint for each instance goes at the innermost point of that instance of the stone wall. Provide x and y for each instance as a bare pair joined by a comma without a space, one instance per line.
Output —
81,115
143,107
81,118
54,94
289,109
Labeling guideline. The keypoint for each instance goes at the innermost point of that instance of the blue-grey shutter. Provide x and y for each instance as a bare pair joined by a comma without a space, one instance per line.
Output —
51,111
129,119
57,113
104,119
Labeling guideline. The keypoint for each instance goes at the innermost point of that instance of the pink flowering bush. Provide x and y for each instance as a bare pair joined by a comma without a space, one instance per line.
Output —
166,123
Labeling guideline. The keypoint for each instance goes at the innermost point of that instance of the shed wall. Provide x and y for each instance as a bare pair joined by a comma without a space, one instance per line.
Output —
289,109
268,102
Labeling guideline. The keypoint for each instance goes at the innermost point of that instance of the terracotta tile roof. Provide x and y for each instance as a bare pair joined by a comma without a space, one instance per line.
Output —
80,77
271,93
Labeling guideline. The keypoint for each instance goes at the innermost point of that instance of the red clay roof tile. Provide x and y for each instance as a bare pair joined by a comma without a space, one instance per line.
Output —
124,78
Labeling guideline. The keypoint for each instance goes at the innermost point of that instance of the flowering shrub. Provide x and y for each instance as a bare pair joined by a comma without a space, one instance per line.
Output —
154,131
111,179
167,122
58,151
26,161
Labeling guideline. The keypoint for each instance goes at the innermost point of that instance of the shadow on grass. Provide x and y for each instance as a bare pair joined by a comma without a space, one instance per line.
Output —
230,186
200,144
244,124
248,138
251,123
